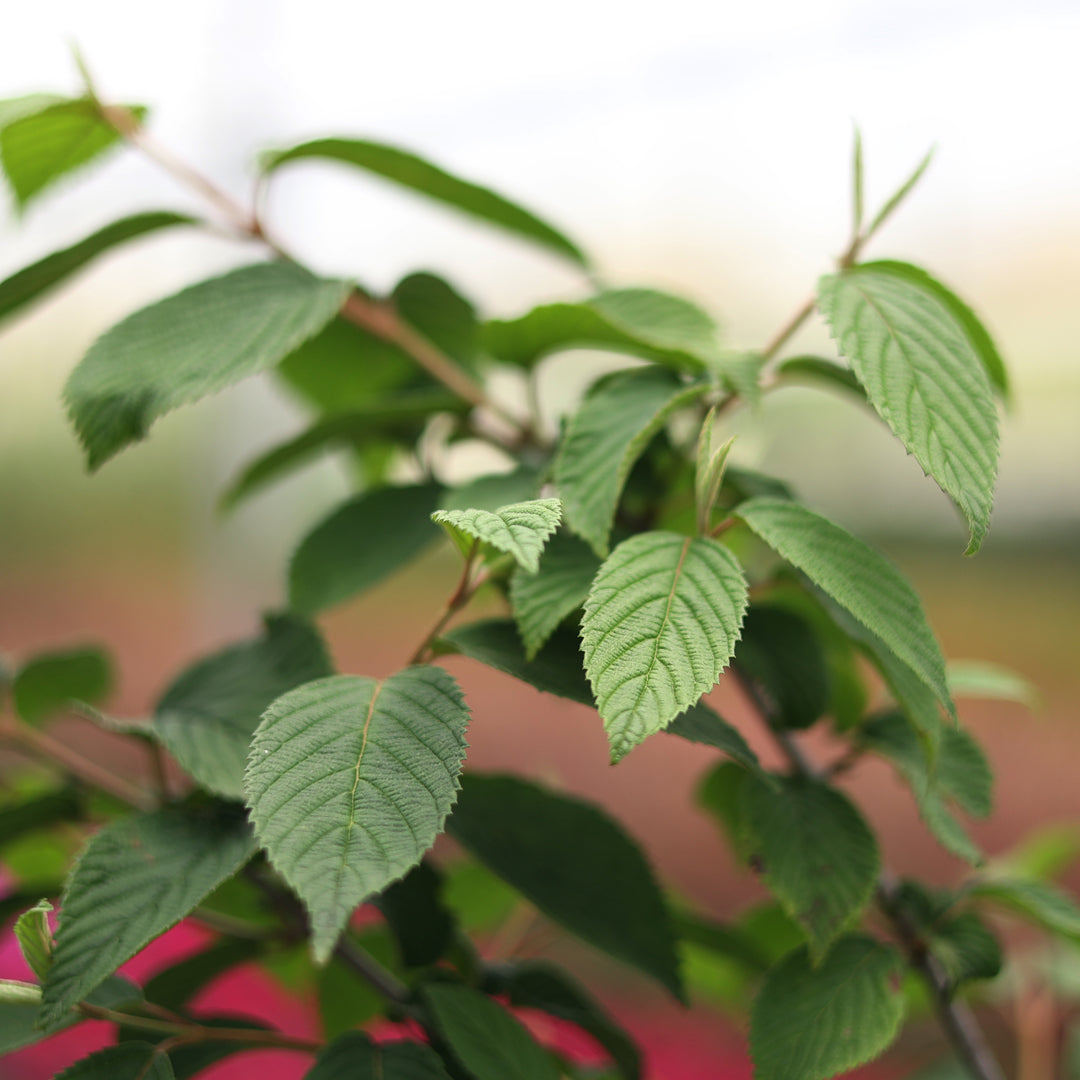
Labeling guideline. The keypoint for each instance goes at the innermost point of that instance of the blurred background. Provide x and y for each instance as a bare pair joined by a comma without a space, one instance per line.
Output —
698,147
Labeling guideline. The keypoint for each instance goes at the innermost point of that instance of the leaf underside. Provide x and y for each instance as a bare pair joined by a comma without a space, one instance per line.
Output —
520,529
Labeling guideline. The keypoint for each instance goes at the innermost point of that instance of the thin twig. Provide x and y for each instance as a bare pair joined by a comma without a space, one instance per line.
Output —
371,971
462,594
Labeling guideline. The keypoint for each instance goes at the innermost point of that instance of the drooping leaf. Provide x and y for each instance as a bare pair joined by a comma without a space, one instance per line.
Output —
818,856
574,863
354,1056
360,543
661,621
174,987
519,529
979,679
494,490
127,1061
208,715
136,878
608,433
923,374
489,1042
814,1022
192,344
858,578
42,277
410,171
421,923
539,985
700,724
50,682
35,938
44,145
556,668
349,782
1037,901
541,601
816,369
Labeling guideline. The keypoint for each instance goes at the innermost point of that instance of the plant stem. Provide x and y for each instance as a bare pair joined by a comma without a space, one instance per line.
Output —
371,971
462,594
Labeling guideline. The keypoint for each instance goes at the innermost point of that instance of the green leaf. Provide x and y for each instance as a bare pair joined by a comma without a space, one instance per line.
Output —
661,621
480,900
363,541
604,438
410,171
41,277
519,529
966,948
899,195
349,782
574,863
924,376
556,669
541,601
12,109
421,923
44,145
346,1001
354,1056
700,724
1036,901
979,679
709,474
19,994
174,987
190,345
723,939
128,1061
35,938
858,578
489,1042
490,492
813,1022
637,322
136,878
1044,852
719,794
817,854
37,813
209,715
539,985
50,682
857,201
816,369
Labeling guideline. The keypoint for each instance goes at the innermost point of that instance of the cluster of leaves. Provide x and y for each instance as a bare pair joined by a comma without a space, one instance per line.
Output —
635,565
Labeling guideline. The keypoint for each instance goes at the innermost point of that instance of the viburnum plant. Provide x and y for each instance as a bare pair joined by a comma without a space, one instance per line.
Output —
636,567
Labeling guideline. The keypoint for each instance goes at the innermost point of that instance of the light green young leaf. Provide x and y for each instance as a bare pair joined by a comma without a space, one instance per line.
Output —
190,345
858,578
575,864
12,109
661,621
51,682
542,600
979,679
603,439
489,1042
363,541
353,1056
14,993
815,1022
40,278
126,1061
136,878
520,529
349,782
818,855
410,171
900,194
857,202
709,475
208,715
1037,901
35,938
924,376
44,145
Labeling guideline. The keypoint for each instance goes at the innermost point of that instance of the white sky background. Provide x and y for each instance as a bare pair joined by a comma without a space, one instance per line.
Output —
691,145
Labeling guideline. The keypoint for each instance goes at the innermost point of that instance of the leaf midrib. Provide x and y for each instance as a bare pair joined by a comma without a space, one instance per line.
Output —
356,784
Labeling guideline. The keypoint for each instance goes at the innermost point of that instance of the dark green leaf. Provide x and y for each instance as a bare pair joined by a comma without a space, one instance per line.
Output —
723,939
136,878
64,805
35,938
574,863
360,543
174,987
355,1057
345,1001
491,492
190,345
816,369
420,921
349,782
719,794
209,714
128,1061
1036,901
966,948
50,682
408,170
485,1038
811,1023
42,277
432,306
520,529
700,724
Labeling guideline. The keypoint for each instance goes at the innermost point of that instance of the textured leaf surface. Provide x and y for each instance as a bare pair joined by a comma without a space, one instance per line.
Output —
819,857
604,438
812,1023
41,277
410,171
575,864
660,623
209,714
44,145
700,724
485,1038
923,374
349,782
858,578
190,345
50,682
1037,901
519,529
128,1061
137,877
354,1056
35,938
360,543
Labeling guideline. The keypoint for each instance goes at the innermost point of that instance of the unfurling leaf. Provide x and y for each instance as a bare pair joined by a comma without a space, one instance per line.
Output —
35,938
709,475
520,529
